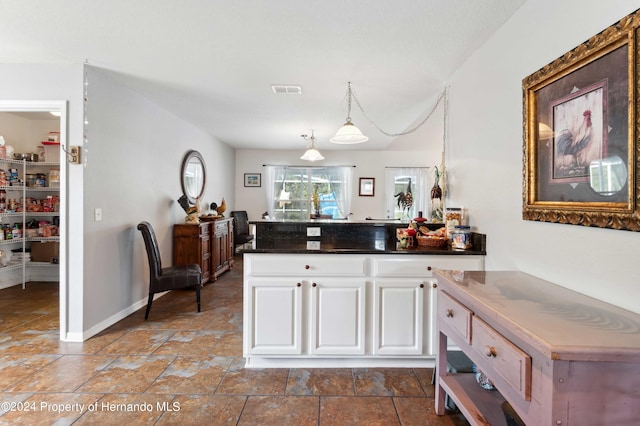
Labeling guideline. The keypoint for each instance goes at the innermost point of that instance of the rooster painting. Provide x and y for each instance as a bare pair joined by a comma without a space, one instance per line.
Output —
574,147
572,144
579,126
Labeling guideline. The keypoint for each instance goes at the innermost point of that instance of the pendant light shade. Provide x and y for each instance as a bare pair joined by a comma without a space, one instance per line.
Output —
348,133
312,153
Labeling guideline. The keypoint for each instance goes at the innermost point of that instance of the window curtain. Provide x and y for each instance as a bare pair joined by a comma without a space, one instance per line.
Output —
274,174
420,190
344,191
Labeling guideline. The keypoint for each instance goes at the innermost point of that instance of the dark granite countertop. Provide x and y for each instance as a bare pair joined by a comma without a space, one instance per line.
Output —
405,252
327,236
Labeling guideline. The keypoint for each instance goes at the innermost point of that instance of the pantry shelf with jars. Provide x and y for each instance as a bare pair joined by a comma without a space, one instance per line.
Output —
29,219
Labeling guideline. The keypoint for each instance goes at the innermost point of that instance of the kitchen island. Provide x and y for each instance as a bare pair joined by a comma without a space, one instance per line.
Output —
342,294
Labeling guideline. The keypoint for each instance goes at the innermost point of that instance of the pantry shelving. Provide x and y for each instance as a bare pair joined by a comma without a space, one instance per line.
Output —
24,202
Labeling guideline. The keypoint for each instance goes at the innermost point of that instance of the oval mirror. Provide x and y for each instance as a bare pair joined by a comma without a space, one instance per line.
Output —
194,176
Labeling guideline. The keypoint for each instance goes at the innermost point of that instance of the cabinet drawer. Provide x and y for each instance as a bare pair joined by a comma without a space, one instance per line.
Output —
306,265
503,358
455,315
221,228
423,266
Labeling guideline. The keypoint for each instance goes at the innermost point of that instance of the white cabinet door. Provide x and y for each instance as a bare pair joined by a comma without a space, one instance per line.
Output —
275,317
337,316
399,316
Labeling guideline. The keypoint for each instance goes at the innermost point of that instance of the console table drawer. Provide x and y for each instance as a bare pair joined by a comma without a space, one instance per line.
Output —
503,358
455,315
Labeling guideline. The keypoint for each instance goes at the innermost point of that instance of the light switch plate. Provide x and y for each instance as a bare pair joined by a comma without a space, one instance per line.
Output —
313,231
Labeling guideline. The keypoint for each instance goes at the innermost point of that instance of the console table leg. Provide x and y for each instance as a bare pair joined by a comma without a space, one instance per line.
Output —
441,370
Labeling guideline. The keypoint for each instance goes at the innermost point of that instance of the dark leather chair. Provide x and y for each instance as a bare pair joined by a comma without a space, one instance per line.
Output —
241,235
169,278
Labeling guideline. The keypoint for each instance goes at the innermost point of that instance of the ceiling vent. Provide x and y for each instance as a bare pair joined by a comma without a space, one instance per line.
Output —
286,90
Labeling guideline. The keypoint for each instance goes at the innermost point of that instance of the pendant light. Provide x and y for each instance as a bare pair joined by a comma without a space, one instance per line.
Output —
312,153
349,133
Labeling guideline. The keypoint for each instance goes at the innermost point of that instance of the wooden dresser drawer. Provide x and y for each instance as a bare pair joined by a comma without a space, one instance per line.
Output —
307,265
455,315
503,358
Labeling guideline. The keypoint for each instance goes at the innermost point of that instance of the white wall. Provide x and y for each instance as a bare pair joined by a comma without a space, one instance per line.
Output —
368,164
134,153
26,133
485,155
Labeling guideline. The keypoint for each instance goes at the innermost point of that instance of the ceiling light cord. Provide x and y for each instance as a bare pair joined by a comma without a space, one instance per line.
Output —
351,94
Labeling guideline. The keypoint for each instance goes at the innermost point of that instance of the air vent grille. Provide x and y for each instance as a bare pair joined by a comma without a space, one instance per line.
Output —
286,90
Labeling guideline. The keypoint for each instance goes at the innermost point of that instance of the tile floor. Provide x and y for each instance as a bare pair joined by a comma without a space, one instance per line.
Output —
183,367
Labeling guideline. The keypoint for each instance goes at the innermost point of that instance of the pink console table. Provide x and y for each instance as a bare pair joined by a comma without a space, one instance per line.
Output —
556,356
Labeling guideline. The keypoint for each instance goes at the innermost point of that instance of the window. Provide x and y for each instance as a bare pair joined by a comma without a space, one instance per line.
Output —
290,192
399,181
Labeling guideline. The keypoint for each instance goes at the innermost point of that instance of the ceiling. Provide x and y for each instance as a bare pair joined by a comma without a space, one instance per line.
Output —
213,62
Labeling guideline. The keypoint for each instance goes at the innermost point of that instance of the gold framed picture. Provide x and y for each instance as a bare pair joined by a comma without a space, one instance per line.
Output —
580,129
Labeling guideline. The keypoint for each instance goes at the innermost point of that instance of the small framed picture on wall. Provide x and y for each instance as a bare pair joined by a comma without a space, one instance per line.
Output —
253,179
367,187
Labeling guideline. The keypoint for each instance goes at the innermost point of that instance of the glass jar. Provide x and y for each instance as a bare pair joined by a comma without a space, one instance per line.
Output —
452,218
461,237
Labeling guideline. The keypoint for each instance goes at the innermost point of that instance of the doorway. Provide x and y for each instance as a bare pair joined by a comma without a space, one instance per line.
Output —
35,196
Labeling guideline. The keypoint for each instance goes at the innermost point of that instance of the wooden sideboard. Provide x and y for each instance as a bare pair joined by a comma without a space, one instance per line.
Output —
209,244
556,356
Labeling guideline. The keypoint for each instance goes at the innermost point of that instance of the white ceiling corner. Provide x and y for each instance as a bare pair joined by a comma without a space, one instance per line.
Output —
213,62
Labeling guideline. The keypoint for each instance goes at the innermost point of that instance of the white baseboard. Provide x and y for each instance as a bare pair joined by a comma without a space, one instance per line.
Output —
343,362
103,325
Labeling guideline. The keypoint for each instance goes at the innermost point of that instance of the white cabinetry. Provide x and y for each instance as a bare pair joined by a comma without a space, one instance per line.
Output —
404,301
398,322
342,309
296,305
25,203
275,325
337,316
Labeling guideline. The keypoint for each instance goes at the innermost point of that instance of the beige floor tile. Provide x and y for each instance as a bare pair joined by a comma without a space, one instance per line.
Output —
126,409
127,374
271,381
421,412
230,344
191,374
320,381
347,411
65,374
280,410
386,382
29,343
139,342
197,342
16,368
211,410
50,409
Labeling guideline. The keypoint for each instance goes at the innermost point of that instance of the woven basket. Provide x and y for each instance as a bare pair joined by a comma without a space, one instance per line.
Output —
431,242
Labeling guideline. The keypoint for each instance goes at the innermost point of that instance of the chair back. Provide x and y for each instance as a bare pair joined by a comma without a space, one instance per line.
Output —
241,222
153,252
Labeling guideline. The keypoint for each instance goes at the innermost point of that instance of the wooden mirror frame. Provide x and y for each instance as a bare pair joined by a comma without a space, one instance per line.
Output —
189,157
